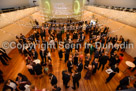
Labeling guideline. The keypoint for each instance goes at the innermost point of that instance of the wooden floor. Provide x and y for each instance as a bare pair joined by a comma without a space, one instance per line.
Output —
96,83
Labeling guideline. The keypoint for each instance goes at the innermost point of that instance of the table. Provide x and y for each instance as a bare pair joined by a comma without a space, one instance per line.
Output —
37,61
129,64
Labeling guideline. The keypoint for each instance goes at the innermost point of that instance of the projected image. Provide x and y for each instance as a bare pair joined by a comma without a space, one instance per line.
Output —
76,7
62,8
46,6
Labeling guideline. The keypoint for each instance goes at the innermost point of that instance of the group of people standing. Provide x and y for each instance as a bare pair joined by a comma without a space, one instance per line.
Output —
91,58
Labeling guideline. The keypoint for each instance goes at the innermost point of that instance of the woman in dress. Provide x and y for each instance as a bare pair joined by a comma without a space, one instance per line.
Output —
76,57
89,72
50,66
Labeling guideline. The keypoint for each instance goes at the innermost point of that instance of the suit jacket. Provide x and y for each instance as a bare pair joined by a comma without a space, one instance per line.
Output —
43,54
69,64
35,56
125,81
65,77
53,80
77,77
104,59
80,67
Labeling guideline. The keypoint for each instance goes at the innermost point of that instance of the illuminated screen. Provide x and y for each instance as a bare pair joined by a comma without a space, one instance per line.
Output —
62,8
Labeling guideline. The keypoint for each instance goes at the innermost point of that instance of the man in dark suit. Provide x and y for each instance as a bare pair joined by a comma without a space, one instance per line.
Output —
34,54
103,60
53,79
45,43
124,82
4,54
76,77
42,32
112,74
79,66
2,59
70,65
65,78
67,52
1,77
43,55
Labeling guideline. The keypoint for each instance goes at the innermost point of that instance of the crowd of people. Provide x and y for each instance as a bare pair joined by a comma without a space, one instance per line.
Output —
69,39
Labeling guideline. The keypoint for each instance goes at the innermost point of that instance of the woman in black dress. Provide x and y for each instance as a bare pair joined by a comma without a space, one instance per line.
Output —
76,57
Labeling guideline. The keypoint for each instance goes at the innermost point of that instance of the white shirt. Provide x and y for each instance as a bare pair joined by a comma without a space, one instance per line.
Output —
51,42
12,85
27,87
49,54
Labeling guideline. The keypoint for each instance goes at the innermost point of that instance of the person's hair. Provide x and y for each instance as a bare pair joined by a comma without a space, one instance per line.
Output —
55,86
121,54
50,74
76,71
6,81
19,74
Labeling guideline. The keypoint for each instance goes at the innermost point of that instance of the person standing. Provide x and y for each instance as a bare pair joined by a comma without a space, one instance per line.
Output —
43,56
70,65
2,59
115,70
42,33
1,77
89,72
95,65
103,60
37,69
76,77
5,56
65,78
53,79
60,54
67,55
76,57
124,83
79,66
34,54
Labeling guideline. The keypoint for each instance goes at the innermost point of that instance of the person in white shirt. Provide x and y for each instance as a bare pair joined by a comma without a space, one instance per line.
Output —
10,85
52,44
